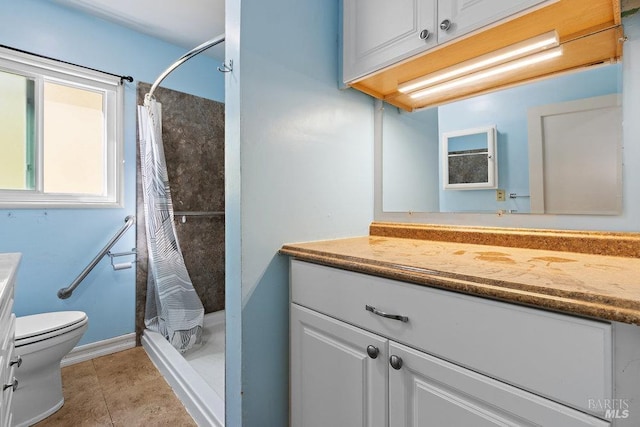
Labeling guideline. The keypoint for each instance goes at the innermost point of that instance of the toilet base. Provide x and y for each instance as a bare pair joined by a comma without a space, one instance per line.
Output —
37,397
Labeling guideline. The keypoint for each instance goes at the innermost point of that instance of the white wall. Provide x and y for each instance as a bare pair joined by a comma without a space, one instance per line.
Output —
303,150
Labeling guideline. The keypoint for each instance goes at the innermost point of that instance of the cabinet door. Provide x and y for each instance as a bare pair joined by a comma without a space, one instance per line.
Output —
334,382
465,16
378,33
427,391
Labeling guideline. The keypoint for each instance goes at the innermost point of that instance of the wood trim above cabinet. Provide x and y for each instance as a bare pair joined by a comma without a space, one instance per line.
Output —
589,31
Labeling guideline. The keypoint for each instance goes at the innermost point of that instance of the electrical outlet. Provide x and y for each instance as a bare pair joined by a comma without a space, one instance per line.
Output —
500,195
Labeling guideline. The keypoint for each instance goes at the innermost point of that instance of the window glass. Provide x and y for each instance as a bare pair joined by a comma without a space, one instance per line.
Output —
60,134
16,132
73,155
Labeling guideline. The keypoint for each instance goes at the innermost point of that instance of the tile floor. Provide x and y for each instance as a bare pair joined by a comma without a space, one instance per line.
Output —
121,389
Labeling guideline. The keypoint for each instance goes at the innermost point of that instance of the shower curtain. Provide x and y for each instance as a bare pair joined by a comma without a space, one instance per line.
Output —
173,308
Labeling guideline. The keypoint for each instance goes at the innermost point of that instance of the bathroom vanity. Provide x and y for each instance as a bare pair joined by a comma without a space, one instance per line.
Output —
421,325
8,359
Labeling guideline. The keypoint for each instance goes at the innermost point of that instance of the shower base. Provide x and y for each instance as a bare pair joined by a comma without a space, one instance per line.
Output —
197,378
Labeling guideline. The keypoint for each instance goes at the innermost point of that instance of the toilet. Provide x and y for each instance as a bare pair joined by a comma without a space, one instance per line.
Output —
42,340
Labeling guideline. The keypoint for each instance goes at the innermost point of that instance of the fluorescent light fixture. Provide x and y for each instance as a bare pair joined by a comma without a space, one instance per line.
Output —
510,53
491,72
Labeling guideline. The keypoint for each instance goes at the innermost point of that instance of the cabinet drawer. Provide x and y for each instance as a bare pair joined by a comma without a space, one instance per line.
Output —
564,358
7,336
5,312
8,377
7,371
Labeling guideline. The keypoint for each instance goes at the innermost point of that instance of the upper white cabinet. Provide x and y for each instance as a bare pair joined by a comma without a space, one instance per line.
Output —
378,33
458,17
388,45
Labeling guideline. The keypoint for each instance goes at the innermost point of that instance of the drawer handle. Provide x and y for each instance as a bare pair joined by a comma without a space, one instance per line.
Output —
16,361
388,316
13,385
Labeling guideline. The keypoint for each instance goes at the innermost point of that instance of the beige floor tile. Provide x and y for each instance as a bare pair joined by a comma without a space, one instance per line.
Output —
152,403
122,389
84,404
124,369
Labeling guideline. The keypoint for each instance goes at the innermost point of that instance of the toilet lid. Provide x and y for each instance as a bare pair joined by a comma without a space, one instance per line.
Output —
40,324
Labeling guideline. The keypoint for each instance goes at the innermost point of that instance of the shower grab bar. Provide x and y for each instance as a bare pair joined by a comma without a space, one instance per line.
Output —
65,293
193,52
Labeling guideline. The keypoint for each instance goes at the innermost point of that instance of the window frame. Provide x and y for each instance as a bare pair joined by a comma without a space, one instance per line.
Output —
41,70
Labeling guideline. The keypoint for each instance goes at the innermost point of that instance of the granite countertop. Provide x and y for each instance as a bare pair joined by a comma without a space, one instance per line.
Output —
600,286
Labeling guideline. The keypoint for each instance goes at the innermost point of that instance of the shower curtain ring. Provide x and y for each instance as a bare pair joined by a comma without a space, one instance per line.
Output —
226,69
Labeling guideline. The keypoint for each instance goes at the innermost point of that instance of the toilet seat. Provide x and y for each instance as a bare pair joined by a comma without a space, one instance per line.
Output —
39,327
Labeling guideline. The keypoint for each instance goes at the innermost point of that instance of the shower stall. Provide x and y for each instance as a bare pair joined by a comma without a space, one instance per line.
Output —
193,139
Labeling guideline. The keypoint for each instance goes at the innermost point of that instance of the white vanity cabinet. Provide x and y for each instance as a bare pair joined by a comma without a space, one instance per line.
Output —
9,361
378,33
456,360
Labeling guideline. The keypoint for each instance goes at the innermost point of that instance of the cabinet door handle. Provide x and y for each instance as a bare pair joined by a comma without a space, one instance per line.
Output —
383,314
445,25
424,34
395,362
16,361
373,351
13,385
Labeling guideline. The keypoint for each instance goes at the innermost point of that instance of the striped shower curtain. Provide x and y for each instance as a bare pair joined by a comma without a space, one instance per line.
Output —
173,308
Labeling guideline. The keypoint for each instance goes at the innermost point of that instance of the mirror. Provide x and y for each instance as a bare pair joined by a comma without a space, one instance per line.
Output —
412,179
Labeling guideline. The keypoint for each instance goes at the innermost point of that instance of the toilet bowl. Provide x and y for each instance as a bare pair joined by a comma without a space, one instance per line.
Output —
42,340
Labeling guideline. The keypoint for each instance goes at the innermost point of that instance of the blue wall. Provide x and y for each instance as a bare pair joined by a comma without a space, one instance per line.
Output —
305,153
507,110
58,243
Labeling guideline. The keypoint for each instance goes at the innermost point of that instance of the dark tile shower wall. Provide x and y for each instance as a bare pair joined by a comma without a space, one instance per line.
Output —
193,137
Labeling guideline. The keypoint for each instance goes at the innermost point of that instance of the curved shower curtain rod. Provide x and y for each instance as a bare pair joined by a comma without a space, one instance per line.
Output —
193,52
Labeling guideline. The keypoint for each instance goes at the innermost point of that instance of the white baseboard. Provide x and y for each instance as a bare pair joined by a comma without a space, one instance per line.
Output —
86,352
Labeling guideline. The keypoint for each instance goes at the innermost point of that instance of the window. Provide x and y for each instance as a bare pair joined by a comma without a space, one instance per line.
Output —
60,134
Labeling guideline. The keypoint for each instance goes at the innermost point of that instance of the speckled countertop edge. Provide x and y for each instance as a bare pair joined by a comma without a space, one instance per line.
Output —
601,306
588,242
